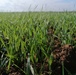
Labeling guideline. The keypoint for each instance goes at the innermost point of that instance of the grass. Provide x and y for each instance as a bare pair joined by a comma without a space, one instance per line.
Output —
23,33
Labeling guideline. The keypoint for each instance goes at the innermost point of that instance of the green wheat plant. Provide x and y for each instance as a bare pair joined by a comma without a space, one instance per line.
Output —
23,33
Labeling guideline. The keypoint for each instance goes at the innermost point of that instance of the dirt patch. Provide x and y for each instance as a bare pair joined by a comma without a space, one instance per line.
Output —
62,53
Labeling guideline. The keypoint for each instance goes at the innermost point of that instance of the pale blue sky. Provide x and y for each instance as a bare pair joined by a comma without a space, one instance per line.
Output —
37,5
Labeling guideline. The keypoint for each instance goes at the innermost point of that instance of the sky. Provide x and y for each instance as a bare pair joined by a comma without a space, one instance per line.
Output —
37,5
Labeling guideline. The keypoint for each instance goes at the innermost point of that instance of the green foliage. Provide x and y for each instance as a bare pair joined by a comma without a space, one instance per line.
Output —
23,33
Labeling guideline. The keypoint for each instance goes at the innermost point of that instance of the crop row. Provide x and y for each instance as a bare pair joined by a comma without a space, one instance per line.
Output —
33,33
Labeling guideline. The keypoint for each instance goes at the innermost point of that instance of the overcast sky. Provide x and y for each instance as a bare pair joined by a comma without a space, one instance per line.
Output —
37,5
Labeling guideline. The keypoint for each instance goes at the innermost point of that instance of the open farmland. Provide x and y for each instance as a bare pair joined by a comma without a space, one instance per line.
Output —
45,41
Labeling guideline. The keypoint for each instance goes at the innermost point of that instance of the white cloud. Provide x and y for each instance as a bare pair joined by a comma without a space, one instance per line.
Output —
23,5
